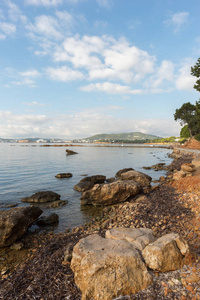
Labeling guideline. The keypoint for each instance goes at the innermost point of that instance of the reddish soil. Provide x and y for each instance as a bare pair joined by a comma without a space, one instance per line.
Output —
192,144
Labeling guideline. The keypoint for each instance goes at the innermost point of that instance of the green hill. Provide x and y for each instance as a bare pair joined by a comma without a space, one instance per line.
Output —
131,136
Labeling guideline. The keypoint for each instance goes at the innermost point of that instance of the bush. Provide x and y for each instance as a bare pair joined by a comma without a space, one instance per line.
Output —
197,137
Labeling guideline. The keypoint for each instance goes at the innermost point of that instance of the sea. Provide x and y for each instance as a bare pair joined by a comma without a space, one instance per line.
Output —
29,168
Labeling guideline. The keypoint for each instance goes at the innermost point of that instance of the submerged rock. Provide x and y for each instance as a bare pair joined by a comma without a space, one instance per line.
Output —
48,220
14,223
42,197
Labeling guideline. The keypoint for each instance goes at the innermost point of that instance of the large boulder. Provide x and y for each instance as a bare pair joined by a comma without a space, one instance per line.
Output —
111,193
143,179
42,197
119,173
105,268
140,237
166,253
14,223
88,182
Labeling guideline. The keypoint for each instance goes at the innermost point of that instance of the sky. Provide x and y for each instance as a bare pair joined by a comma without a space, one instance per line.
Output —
74,68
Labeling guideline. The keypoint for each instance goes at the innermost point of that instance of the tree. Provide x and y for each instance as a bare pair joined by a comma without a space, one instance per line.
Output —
184,133
195,71
189,114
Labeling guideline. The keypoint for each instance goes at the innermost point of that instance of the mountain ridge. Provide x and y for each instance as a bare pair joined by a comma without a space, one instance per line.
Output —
132,136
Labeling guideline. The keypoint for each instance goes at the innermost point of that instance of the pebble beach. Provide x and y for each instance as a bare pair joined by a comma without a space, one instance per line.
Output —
39,271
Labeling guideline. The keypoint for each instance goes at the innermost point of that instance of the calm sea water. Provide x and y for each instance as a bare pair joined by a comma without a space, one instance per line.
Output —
27,169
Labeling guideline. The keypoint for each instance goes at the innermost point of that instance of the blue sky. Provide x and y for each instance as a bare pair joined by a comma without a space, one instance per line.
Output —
74,68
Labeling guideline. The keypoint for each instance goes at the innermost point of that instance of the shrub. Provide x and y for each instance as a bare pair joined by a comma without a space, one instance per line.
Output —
197,137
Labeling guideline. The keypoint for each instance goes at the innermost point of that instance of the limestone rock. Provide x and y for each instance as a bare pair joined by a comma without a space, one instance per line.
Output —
120,172
188,167
42,197
88,182
166,253
63,175
140,238
115,192
14,223
105,268
178,175
139,177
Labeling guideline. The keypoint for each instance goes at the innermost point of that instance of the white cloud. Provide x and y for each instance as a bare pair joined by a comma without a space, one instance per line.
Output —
15,13
79,125
110,88
30,73
105,3
106,58
47,26
185,81
178,20
7,28
44,2
34,103
162,74
64,74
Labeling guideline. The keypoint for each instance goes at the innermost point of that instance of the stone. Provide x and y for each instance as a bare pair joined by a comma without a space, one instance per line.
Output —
15,222
120,172
48,220
105,268
42,197
68,253
178,175
188,167
88,182
140,238
143,179
166,253
70,152
17,246
111,193
63,175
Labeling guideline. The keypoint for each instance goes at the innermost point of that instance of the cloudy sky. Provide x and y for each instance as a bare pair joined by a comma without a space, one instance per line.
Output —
74,68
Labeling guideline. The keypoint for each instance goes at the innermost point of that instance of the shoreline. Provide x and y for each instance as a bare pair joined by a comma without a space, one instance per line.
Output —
165,209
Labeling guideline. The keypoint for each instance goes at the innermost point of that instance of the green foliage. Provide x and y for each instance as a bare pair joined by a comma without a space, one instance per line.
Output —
195,71
184,133
189,114
197,137
170,139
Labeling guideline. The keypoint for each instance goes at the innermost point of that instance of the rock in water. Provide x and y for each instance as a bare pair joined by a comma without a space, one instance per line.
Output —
143,179
14,223
48,220
111,193
88,182
106,268
70,152
64,175
42,197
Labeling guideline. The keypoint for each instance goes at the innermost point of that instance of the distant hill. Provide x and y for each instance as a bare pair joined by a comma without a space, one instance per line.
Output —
131,136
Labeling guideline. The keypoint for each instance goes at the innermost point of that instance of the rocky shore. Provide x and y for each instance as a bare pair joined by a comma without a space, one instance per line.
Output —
40,271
